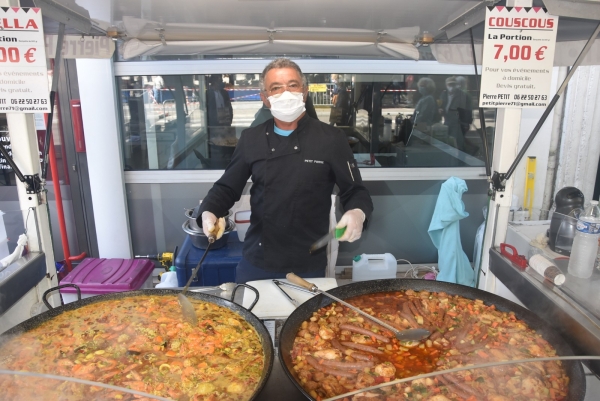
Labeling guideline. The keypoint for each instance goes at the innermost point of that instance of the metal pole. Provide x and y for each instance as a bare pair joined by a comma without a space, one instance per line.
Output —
486,149
550,106
55,74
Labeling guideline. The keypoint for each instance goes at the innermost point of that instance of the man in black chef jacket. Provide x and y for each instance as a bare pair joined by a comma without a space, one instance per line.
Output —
294,161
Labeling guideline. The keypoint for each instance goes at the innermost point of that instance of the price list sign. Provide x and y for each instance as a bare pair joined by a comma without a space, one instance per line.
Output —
518,54
23,72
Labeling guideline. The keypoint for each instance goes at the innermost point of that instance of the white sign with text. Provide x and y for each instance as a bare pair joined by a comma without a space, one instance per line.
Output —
81,46
518,55
23,72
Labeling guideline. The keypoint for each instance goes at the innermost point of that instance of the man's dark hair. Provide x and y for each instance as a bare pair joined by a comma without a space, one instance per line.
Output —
281,63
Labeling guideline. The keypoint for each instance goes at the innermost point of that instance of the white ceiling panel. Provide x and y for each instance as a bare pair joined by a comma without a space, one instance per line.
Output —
375,28
375,15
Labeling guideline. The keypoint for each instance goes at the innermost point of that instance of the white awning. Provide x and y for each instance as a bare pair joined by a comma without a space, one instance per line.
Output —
353,28
219,39
134,47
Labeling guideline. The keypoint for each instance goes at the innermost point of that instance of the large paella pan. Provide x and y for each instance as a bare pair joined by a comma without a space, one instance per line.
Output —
326,350
139,340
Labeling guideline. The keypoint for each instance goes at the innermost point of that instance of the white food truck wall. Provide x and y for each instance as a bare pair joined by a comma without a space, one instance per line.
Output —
100,123
107,182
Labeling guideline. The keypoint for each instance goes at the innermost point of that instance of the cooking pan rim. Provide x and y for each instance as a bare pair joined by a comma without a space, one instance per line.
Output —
576,369
244,313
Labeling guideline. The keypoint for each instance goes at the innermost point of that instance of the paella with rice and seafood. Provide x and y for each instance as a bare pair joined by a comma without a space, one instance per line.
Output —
141,343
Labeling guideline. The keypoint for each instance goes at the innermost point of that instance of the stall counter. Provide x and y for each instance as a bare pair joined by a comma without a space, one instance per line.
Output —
578,326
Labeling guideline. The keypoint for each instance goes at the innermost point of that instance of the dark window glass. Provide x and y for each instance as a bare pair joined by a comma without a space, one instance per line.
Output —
404,120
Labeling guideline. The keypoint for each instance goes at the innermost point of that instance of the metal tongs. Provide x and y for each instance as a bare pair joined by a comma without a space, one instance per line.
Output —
402,335
294,301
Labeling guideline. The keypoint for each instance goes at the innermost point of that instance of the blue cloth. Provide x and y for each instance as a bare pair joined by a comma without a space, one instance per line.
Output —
444,231
282,132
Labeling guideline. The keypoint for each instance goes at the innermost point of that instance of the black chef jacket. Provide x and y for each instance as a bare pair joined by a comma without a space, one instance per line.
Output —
291,193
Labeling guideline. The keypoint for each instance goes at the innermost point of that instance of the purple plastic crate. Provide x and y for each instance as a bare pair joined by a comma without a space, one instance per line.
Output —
103,276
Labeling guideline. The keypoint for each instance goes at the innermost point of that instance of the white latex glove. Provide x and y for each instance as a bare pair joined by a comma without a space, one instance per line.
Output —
212,226
353,221
209,220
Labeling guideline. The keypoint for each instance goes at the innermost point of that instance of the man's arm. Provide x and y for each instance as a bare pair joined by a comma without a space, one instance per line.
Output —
353,194
228,189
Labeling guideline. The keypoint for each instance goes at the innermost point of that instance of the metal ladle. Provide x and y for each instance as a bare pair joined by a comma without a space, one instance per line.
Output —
189,313
402,335
227,287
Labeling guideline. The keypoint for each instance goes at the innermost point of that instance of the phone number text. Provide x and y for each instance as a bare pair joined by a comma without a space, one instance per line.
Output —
25,101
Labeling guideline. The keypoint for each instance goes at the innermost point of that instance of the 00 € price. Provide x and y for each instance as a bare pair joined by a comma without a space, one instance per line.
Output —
13,55
517,52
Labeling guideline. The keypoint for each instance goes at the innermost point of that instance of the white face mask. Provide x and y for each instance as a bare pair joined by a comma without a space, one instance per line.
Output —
287,106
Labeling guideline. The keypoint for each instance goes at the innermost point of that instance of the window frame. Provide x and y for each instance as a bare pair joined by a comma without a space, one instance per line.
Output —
308,66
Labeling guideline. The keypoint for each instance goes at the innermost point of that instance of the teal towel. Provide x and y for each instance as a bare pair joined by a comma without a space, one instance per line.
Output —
444,231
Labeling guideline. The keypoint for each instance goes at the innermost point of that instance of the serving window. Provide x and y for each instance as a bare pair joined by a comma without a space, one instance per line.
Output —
193,122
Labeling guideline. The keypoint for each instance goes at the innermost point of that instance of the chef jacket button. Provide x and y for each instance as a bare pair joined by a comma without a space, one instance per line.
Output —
260,244
267,133
273,150
296,147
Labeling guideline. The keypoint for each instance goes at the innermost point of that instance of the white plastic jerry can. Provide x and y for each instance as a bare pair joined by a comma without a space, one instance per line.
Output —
168,279
373,267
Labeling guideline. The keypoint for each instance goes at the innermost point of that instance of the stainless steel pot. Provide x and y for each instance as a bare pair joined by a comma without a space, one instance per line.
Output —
193,223
199,240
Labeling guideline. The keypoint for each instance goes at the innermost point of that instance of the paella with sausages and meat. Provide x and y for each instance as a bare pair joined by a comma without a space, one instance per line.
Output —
337,351
141,343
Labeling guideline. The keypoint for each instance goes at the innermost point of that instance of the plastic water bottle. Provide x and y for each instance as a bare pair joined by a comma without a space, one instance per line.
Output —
585,243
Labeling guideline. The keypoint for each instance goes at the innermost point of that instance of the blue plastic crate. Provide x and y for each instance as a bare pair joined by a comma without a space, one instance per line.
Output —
218,267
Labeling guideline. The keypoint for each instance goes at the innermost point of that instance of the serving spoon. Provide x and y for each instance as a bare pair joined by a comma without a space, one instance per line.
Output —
227,287
189,313
401,335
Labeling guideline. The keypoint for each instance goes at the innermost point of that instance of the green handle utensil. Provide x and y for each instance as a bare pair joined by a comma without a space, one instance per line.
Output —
321,242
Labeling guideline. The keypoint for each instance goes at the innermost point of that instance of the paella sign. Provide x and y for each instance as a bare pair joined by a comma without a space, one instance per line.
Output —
518,55
23,71
97,47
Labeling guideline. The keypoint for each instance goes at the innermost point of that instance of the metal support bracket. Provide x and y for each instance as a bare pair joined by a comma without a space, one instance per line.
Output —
33,183
498,182
78,20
